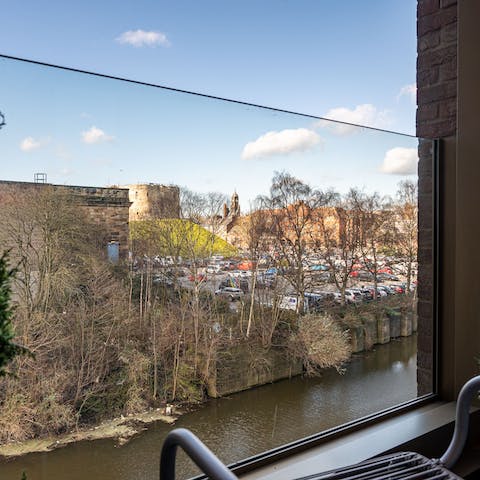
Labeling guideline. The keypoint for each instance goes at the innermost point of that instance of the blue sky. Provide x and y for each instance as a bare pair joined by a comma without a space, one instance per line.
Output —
351,60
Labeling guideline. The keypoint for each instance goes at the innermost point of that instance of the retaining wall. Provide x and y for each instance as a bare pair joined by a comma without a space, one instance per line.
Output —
243,367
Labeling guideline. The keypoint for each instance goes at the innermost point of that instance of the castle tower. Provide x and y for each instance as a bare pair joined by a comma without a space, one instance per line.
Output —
152,201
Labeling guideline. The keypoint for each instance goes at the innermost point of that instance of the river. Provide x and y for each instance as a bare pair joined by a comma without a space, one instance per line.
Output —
243,424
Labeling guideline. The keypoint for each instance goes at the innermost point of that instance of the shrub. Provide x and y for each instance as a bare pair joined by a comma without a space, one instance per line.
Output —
321,343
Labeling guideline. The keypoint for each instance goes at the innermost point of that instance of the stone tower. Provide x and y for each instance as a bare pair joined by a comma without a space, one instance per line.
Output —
234,206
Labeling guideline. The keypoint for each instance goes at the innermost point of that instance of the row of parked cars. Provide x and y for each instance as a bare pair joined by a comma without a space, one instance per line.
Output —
356,295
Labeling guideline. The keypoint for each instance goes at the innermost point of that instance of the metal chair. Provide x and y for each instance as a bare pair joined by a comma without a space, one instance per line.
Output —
397,466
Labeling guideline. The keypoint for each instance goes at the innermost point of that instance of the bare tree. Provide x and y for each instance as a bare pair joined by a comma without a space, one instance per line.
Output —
375,229
71,312
213,207
406,227
255,231
338,236
290,208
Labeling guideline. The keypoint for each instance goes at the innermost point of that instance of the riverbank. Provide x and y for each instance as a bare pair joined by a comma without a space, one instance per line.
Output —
243,424
240,369
121,429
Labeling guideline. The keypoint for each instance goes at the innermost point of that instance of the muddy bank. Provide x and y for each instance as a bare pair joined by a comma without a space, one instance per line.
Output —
121,429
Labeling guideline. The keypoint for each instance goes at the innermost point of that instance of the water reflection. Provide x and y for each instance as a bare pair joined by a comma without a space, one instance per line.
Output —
246,423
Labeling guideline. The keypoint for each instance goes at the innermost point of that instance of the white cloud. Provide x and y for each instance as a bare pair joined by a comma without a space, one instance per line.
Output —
141,38
280,143
95,135
29,144
400,161
408,91
366,115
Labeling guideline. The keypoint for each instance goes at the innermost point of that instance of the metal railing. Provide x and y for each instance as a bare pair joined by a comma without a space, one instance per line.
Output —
400,465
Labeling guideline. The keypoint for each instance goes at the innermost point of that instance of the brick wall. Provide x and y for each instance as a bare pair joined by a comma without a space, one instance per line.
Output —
436,118
105,206
436,68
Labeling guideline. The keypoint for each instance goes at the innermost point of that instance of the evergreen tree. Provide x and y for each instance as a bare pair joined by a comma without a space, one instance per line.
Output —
8,349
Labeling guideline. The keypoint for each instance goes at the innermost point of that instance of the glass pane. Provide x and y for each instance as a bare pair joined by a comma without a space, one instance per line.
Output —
249,272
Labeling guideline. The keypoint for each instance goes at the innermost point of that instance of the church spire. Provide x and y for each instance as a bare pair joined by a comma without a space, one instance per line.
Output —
235,205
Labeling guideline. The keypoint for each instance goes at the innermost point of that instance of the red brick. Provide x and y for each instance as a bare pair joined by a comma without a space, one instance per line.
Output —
425,218
448,109
425,323
434,93
425,165
426,7
447,3
428,76
429,40
425,273
424,239
448,70
425,255
428,112
424,291
436,20
448,34
425,184
435,57
425,148
438,129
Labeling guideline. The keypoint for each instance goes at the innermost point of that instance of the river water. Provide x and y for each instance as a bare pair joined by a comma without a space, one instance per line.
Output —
243,424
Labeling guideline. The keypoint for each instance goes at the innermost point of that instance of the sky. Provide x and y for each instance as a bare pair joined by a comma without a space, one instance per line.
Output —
344,59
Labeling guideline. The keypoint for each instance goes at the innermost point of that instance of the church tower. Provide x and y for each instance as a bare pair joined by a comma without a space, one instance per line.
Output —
234,205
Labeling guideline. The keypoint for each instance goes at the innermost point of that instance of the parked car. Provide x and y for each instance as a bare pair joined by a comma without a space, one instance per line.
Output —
367,294
385,269
365,275
235,282
387,288
163,279
321,277
384,290
230,292
266,281
353,296
288,302
382,277
213,269
349,296
399,287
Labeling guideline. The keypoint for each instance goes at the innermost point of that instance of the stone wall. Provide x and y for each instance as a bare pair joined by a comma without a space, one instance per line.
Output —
105,206
245,366
381,330
436,118
152,201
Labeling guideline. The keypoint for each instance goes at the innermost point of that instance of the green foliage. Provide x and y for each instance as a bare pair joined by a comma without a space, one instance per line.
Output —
177,237
8,349
188,388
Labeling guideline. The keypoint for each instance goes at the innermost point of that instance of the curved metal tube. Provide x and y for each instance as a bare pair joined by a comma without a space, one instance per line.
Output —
454,450
196,450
